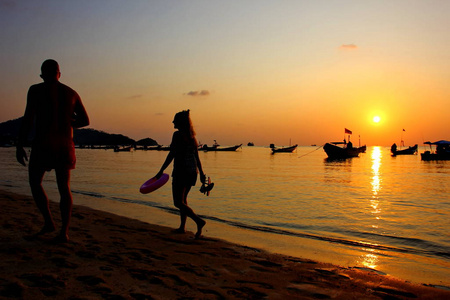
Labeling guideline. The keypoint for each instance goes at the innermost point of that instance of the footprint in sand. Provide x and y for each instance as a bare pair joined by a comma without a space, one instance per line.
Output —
63,263
260,284
90,280
11,289
41,280
387,291
245,293
49,285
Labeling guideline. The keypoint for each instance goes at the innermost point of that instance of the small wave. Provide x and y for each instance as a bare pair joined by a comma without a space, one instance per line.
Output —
370,270
7,183
126,200
435,249
360,244
269,228
90,194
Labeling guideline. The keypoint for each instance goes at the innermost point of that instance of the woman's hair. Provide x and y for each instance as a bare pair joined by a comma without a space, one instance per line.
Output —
184,123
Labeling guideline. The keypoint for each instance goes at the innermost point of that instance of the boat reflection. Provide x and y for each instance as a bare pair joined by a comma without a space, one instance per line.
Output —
338,171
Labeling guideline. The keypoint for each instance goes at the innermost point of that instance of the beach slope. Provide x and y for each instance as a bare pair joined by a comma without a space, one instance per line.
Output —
113,257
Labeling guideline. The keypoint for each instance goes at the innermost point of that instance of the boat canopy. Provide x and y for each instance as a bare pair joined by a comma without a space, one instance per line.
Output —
441,142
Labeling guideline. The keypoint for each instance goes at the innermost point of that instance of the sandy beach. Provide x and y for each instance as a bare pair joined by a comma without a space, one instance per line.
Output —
113,257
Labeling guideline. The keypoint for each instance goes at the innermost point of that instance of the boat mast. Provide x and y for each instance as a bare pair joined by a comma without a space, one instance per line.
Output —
402,143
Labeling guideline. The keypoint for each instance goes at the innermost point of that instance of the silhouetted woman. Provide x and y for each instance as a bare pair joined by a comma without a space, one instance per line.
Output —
184,153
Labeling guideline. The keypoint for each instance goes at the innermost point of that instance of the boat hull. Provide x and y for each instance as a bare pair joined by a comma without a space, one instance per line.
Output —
427,156
409,151
362,149
284,150
233,148
336,152
125,149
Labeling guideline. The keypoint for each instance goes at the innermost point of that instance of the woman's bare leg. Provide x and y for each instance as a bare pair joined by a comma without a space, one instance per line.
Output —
180,193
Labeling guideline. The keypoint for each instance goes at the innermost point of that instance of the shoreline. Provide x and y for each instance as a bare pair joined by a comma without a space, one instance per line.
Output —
415,269
111,256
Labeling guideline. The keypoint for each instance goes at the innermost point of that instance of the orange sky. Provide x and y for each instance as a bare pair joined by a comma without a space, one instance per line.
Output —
300,72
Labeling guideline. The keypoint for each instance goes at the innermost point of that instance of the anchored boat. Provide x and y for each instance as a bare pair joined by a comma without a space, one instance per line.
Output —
442,151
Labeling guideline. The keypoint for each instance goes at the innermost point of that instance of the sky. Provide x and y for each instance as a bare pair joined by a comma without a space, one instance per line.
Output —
250,71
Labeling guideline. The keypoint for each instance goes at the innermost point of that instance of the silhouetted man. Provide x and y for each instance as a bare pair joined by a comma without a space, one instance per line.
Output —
54,109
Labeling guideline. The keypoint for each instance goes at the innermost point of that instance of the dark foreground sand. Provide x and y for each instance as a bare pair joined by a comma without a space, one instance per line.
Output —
112,257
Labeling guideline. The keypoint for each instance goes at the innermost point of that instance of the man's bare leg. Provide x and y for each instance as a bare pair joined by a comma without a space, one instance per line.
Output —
66,202
36,176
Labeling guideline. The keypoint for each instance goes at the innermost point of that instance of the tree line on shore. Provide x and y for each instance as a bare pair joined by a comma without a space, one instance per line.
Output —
83,137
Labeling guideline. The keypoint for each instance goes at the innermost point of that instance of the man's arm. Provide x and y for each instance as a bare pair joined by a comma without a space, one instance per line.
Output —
80,118
25,128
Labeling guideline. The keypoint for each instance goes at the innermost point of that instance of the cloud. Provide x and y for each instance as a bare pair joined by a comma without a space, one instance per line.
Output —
349,47
8,4
198,93
134,97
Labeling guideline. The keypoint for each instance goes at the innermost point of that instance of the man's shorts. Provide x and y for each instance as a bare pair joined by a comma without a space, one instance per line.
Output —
53,157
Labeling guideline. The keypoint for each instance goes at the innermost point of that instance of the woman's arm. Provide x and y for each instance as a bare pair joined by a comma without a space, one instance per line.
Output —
170,156
199,166
166,163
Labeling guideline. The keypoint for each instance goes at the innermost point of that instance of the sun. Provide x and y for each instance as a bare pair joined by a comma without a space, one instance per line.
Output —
376,119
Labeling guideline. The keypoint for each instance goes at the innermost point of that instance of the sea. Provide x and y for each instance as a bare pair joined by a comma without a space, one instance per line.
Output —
377,213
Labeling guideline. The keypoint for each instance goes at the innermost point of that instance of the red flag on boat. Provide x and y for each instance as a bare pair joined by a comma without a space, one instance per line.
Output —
347,131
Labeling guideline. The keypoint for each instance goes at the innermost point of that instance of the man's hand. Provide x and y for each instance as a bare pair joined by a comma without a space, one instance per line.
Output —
21,155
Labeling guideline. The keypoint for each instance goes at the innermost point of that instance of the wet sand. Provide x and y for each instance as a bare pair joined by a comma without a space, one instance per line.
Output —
113,257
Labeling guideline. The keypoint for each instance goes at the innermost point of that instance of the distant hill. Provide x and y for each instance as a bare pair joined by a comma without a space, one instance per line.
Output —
88,136
9,131
147,142
10,127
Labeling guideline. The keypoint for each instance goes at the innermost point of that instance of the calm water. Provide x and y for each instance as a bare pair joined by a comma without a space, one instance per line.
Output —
388,214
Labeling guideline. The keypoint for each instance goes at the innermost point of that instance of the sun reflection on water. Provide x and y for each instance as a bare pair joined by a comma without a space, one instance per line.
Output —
376,181
370,259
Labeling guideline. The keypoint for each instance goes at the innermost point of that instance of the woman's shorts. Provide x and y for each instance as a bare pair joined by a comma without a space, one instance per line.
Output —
184,178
